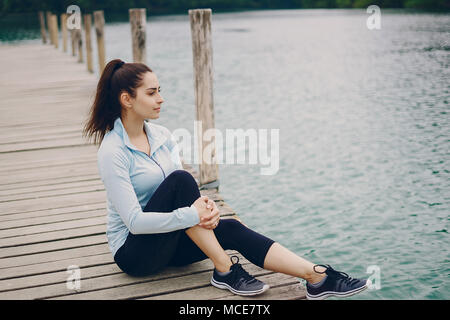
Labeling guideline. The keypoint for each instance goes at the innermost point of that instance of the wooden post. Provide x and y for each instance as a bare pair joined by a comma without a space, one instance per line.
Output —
42,23
73,37
48,16
203,84
55,30
79,43
87,30
64,30
99,21
138,22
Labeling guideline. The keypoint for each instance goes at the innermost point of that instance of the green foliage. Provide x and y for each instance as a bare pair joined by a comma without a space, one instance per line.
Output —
173,6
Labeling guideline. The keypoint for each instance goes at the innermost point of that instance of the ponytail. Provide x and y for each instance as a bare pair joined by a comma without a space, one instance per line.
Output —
117,76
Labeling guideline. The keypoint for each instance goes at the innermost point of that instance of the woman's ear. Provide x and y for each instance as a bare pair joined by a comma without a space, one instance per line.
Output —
125,100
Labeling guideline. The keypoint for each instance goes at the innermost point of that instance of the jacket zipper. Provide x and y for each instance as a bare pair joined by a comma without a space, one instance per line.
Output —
164,175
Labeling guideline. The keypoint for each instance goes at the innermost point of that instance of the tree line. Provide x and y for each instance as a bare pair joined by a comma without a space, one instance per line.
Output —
179,6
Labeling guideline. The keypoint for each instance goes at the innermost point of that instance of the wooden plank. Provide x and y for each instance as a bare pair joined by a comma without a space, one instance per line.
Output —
45,182
51,191
36,145
279,283
29,214
15,192
55,232
44,175
38,221
44,163
57,277
53,236
124,287
55,202
292,291
52,246
53,261
51,228
92,278
48,154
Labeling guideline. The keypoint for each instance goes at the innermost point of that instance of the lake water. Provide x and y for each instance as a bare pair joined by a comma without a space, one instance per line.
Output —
364,142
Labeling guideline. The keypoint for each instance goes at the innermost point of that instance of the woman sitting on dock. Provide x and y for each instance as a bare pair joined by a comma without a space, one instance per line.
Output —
156,215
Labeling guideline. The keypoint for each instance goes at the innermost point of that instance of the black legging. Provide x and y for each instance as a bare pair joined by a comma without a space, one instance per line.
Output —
145,254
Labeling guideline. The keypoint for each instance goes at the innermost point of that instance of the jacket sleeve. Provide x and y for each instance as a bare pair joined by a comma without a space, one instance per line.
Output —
114,172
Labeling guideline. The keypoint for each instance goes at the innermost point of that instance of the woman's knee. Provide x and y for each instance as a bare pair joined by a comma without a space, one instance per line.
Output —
182,176
229,227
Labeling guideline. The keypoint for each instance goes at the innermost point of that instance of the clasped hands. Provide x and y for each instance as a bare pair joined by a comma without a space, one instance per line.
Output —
207,212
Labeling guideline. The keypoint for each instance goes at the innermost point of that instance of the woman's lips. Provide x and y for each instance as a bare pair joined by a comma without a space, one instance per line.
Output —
157,109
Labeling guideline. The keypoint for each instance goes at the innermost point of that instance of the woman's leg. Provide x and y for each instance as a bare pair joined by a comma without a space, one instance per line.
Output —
258,249
232,235
207,242
178,190
280,259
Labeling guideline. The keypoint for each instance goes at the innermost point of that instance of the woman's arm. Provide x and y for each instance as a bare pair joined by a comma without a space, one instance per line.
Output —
114,171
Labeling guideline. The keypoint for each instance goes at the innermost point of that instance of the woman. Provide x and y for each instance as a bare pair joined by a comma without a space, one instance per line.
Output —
156,216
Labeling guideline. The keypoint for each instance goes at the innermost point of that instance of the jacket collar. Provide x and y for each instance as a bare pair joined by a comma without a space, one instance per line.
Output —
155,138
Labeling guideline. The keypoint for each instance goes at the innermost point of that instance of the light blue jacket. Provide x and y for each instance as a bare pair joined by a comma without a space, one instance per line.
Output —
131,177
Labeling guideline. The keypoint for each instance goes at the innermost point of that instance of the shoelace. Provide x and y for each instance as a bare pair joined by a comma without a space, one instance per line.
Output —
240,273
336,274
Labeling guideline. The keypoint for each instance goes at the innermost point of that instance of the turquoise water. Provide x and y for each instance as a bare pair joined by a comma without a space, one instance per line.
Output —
364,125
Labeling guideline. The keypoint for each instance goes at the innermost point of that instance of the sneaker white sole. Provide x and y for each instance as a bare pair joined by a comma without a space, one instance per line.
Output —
223,285
328,294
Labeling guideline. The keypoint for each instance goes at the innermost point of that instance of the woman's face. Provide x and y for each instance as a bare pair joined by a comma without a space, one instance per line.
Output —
147,103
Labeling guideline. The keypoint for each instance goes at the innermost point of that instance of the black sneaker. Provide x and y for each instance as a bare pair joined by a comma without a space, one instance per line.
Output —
238,281
337,284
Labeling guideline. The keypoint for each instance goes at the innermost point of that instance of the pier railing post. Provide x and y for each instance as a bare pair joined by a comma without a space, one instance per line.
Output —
87,31
73,37
99,22
79,42
48,18
200,20
138,25
64,30
42,23
54,21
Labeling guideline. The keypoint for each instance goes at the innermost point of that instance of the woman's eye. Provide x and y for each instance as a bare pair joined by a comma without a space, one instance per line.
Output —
154,92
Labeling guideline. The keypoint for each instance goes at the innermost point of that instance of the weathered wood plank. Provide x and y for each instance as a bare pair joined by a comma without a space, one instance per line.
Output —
52,246
52,191
44,237
39,220
16,191
40,175
279,283
55,202
51,261
59,231
29,214
50,229
149,288
92,278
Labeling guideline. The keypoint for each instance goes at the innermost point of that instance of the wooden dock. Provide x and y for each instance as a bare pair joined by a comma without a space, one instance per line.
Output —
53,203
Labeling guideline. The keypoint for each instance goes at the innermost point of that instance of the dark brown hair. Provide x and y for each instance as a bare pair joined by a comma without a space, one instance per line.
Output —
117,76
